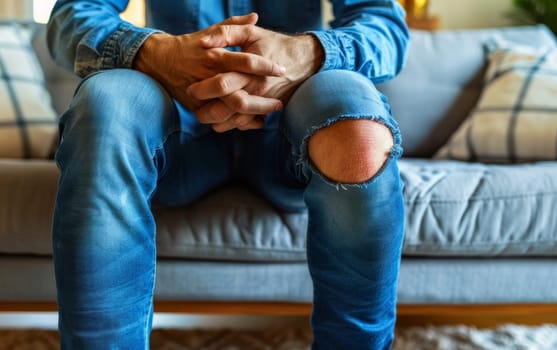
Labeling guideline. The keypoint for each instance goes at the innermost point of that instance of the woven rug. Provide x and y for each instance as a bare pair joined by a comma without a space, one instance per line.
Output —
508,337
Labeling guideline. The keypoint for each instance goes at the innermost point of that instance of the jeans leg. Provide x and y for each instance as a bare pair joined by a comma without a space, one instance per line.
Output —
355,231
114,150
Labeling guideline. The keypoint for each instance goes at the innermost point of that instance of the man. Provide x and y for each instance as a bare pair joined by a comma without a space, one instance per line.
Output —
160,117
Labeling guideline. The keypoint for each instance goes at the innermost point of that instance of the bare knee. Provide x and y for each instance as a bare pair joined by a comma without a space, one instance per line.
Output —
350,151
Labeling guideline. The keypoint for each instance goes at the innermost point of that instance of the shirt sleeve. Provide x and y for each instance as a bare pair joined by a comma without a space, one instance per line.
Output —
86,36
369,37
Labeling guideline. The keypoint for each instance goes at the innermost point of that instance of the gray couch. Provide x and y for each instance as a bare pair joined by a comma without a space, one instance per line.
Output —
475,233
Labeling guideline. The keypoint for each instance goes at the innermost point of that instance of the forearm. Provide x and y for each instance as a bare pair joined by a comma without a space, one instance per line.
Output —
369,39
88,35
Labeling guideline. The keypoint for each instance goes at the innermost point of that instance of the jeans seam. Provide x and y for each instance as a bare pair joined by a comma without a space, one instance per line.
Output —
159,148
148,321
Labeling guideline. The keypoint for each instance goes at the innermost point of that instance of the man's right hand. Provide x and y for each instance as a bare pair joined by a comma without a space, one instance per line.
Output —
176,62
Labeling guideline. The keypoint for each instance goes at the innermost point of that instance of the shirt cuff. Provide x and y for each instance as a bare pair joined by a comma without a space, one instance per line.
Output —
336,48
122,46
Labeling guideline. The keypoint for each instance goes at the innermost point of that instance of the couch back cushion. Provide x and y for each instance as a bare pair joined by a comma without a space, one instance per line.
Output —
443,79
28,125
60,83
441,83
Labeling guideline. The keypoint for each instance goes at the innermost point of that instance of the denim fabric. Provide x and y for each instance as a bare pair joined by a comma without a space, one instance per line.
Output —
126,145
369,37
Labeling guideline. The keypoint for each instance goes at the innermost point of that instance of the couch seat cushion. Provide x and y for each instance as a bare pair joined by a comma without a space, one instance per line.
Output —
231,224
470,209
453,209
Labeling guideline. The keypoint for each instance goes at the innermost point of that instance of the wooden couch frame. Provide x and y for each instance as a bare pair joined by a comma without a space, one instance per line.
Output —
478,315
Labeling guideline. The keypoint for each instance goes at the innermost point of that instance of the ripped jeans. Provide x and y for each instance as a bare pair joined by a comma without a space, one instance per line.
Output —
126,146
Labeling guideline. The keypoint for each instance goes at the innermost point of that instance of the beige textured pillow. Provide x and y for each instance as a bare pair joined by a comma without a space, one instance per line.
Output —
516,117
28,125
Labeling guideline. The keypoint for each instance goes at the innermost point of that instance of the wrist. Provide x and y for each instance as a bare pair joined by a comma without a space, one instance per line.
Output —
309,58
318,53
154,51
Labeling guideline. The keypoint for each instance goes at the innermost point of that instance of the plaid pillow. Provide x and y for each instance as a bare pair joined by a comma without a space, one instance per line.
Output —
516,117
28,124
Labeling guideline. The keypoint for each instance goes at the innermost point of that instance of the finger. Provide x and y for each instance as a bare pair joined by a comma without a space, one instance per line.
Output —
224,35
183,98
227,125
251,63
214,112
249,122
220,85
250,18
241,122
221,110
244,103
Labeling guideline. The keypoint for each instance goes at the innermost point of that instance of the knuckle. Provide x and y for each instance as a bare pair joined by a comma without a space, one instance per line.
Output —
212,56
212,113
249,62
218,113
240,104
222,83
237,102
224,30
249,28
258,86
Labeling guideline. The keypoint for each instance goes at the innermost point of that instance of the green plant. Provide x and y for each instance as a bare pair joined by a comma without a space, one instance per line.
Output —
537,11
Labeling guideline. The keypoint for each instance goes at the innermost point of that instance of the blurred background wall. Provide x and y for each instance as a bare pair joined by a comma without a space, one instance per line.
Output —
455,14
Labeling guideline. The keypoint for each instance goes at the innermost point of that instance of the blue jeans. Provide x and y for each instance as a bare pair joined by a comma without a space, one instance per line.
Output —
126,145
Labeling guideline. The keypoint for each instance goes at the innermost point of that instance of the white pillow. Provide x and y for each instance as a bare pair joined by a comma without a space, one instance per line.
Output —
28,123
515,119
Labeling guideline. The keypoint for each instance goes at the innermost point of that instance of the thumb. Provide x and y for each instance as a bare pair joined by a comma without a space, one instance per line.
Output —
233,31
250,18
228,35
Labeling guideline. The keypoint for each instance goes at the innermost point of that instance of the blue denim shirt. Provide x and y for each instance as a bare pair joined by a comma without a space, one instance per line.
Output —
369,37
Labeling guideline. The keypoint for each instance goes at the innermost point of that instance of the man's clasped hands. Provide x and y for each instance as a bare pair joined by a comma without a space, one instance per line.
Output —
227,89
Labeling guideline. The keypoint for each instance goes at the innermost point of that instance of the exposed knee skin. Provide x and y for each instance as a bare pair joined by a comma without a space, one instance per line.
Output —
350,151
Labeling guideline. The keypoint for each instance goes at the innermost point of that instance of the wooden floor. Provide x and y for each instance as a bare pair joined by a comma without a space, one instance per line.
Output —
482,316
